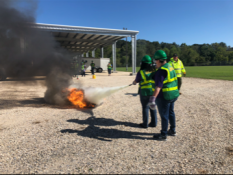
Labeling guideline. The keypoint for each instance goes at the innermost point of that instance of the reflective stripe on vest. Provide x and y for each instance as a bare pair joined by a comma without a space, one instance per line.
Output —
148,87
144,78
169,89
169,80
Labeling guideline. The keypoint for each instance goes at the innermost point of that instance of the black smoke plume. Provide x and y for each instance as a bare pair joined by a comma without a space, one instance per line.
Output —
27,52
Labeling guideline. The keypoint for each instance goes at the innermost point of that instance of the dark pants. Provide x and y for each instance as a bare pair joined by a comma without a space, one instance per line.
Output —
179,82
83,73
145,112
92,70
167,114
109,71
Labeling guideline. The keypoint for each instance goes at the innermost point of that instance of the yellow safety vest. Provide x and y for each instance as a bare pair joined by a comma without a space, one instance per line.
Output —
178,67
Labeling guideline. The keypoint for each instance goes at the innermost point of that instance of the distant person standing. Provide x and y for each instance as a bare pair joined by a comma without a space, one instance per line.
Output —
109,68
178,66
92,67
83,68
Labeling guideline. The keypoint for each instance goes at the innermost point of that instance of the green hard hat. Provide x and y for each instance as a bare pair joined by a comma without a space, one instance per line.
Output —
160,55
147,59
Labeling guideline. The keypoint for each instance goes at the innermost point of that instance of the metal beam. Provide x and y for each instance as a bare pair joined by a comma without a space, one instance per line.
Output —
86,30
134,47
81,45
82,40
102,52
114,56
93,53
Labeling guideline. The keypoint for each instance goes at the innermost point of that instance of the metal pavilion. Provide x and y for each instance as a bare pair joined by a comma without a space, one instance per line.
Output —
81,40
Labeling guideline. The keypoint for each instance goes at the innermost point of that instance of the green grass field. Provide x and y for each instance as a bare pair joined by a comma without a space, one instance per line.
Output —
208,72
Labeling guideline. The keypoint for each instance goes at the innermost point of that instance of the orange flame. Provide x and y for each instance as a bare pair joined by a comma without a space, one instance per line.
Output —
76,97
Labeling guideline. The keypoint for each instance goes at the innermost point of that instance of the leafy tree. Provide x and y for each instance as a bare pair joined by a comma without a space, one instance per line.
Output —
230,58
196,54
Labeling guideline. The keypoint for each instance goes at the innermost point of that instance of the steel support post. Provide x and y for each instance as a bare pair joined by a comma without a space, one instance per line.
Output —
114,56
93,53
102,52
134,51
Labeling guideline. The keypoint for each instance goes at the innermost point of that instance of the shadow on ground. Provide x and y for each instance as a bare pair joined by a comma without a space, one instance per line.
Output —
105,134
133,94
25,79
35,103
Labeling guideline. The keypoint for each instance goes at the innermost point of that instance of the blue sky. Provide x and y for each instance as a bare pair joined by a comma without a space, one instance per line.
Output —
180,21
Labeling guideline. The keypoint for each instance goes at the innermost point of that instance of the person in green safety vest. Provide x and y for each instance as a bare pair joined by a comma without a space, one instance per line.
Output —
165,94
109,68
92,67
178,66
83,68
145,78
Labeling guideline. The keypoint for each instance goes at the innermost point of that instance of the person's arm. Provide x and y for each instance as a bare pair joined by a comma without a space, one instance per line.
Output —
183,69
156,92
137,79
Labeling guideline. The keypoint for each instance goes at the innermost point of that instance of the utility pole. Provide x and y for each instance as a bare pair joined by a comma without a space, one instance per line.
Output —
126,51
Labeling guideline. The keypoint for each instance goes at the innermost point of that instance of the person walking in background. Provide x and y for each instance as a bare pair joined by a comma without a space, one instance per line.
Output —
165,94
145,78
92,67
178,66
109,68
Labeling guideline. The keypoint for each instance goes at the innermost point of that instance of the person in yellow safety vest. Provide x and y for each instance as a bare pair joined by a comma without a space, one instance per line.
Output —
145,77
178,66
109,68
92,67
165,94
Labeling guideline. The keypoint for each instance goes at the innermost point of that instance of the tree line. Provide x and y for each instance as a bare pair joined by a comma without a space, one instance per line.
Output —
193,55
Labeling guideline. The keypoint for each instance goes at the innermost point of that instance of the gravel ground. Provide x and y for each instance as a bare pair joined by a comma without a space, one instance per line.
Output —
39,138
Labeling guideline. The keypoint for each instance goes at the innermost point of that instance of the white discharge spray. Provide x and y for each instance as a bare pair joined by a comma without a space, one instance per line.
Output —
96,95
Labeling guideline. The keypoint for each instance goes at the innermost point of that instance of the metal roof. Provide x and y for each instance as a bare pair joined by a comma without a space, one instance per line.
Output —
83,39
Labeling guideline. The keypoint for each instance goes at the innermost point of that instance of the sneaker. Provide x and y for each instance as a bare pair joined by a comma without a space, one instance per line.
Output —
142,126
160,137
171,133
77,78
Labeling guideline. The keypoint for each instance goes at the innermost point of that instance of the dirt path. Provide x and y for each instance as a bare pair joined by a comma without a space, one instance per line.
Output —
39,138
